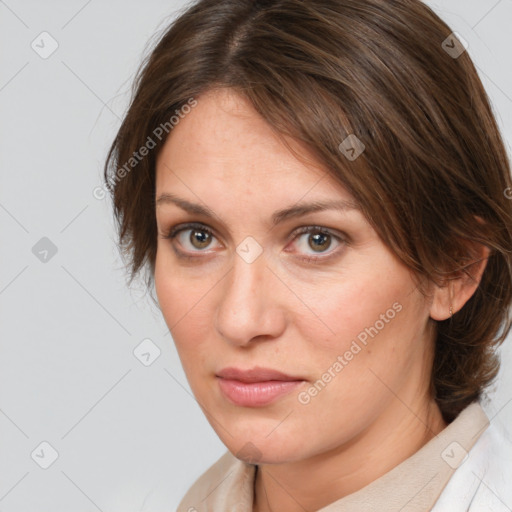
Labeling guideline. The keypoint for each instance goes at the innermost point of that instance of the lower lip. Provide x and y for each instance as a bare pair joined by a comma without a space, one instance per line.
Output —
256,394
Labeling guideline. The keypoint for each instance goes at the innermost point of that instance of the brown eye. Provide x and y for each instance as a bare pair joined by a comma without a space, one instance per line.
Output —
312,244
319,241
200,238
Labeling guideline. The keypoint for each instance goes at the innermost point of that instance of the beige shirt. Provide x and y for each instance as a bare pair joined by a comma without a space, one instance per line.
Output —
412,486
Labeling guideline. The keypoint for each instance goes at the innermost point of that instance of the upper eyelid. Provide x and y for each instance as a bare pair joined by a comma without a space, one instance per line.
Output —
199,225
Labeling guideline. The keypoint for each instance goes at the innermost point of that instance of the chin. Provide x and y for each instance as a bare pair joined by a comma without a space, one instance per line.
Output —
253,455
258,449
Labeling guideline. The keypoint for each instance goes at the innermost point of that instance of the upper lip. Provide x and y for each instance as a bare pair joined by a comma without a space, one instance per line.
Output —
256,374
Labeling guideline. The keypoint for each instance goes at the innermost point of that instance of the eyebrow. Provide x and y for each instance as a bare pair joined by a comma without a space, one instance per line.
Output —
279,216
297,210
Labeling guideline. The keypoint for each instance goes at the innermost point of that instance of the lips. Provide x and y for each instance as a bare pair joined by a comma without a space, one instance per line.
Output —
256,387
256,374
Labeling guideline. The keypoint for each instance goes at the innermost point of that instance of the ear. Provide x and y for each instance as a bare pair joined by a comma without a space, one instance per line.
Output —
460,288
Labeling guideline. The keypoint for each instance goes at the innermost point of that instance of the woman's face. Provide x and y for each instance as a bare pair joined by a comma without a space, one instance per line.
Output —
332,308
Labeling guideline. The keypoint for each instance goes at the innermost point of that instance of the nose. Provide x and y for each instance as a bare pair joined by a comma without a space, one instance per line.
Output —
250,305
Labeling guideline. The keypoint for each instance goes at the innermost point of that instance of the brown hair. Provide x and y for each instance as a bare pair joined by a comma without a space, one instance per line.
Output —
319,71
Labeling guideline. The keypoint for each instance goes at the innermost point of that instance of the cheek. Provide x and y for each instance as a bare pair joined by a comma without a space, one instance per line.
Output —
184,305
176,290
375,320
165,285
371,318
171,288
350,304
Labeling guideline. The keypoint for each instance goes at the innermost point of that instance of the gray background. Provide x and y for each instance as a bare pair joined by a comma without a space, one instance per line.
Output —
124,432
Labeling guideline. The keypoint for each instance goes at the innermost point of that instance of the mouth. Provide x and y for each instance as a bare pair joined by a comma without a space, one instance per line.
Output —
257,386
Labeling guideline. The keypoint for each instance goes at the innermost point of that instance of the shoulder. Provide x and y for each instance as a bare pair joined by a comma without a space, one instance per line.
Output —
483,480
225,485
495,475
209,488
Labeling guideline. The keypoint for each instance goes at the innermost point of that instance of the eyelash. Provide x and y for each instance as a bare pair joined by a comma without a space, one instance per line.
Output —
176,230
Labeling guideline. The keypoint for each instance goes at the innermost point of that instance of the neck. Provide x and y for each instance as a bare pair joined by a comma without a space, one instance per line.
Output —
318,481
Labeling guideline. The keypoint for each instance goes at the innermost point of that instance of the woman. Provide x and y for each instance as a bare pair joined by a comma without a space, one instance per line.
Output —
317,190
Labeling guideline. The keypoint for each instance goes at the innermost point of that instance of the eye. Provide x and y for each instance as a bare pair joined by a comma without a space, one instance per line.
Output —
193,237
318,240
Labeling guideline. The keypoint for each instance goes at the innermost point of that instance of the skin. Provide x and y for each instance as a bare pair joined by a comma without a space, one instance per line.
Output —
292,314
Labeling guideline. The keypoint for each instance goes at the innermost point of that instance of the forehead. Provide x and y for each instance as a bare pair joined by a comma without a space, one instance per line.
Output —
223,143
